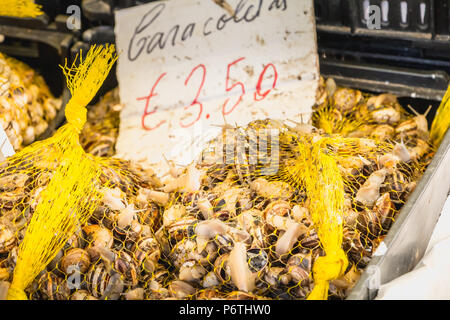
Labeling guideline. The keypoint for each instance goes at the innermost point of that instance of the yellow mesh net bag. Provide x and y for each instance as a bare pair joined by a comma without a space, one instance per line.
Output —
20,8
317,171
71,195
441,122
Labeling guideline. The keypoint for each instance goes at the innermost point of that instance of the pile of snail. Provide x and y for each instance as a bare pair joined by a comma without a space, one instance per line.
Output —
99,134
223,230
26,104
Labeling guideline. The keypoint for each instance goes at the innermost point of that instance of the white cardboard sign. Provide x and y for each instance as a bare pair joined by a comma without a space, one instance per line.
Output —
187,66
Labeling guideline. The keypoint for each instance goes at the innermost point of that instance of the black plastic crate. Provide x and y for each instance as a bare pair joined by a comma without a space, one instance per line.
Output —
419,19
42,45
412,34
45,42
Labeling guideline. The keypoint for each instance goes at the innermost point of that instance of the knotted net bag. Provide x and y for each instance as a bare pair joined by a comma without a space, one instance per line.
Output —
72,192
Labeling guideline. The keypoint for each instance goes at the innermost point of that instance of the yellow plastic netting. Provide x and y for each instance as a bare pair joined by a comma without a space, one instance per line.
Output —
441,122
71,196
318,172
20,8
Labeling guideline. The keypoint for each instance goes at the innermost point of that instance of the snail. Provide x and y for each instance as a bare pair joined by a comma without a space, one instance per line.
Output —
272,189
98,236
299,267
53,287
417,126
210,280
147,253
7,239
370,190
277,215
75,259
385,109
191,271
346,99
180,289
82,295
103,284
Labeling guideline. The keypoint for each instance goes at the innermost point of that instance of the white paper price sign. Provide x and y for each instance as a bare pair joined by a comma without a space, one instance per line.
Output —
187,66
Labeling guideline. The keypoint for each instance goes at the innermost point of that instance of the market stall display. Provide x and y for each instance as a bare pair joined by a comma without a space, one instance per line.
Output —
225,230
275,209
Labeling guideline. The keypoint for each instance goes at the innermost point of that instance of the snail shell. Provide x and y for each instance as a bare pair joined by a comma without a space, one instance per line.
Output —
147,253
130,233
369,222
272,189
276,277
180,289
222,269
310,240
102,284
379,218
383,132
98,236
11,182
135,294
126,266
173,214
210,280
385,210
354,248
209,294
75,258
277,215
7,239
299,267
53,287
395,184
257,260
384,115
224,242
346,99
82,295
182,228
240,295
150,216
191,271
